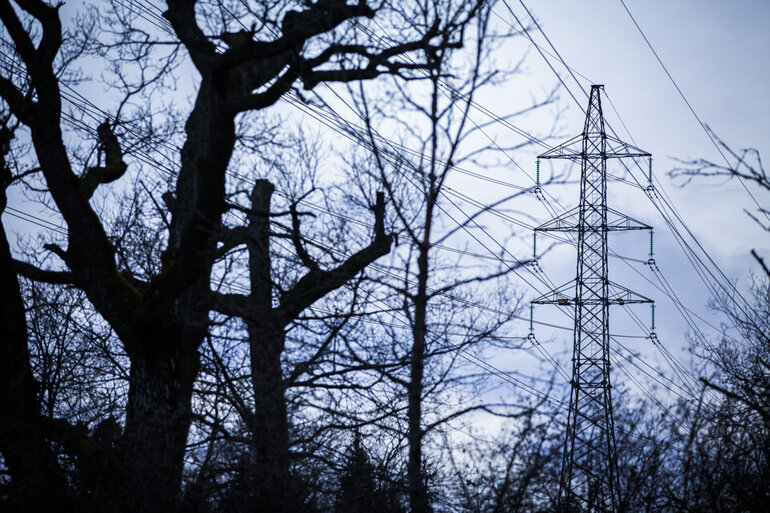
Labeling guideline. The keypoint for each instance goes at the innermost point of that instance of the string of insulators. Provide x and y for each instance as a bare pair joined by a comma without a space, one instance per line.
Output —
652,327
649,176
537,174
534,245
651,247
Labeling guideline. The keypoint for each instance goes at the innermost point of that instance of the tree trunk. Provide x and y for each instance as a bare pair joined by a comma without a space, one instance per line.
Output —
269,472
270,435
418,496
158,420
37,483
172,321
36,480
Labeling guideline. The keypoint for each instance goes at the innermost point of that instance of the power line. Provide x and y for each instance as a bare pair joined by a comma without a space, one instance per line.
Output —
692,110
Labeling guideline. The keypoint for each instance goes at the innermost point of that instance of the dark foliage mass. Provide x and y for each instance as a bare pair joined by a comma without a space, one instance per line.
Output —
198,327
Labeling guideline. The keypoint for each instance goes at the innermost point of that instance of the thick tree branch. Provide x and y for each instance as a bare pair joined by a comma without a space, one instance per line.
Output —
48,16
43,275
317,283
379,63
297,28
21,39
181,15
233,305
21,107
296,238
256,101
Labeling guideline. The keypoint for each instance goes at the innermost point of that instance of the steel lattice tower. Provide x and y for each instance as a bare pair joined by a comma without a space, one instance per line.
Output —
589,477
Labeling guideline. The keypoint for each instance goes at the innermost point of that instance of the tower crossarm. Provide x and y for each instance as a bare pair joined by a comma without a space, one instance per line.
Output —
570,222
565,296
573,150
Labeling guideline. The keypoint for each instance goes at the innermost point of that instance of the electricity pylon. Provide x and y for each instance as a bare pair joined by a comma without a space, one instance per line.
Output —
589,472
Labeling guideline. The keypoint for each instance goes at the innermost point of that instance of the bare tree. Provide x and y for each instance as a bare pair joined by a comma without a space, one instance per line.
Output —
268,478
162,319
513,471
439,133
743,366
729,449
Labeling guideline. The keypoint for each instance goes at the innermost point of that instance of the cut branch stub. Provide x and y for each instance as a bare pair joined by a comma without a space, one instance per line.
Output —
114,166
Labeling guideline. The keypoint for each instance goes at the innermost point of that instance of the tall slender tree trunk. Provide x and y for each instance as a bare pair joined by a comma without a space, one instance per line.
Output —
418,496
270,436
269,472
418,493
